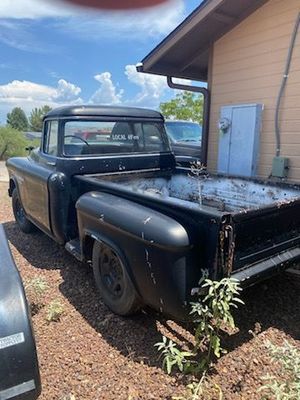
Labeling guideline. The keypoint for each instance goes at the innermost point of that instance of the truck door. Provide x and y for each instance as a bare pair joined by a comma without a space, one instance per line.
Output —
36,179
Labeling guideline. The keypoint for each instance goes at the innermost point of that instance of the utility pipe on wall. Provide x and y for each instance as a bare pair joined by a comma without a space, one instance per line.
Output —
283,85
206,108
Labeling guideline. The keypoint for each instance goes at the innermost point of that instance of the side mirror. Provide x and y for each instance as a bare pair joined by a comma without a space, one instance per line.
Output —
29,148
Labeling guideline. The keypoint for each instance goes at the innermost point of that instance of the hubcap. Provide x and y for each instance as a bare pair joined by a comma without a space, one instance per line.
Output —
111,272
20,212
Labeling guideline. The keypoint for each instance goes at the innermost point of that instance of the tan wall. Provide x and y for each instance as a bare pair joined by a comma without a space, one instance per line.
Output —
248,65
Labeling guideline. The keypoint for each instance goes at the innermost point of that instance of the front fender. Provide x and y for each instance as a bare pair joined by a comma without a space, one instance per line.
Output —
19,371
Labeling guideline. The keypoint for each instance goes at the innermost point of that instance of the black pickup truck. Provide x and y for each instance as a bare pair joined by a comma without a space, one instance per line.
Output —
105,184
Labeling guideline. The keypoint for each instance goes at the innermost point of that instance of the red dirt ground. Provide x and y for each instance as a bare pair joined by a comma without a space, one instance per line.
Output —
92,354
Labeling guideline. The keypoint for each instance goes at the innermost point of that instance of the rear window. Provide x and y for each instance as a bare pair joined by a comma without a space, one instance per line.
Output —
111,137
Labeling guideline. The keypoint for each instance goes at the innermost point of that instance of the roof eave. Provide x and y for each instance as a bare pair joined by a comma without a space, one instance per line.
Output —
195,38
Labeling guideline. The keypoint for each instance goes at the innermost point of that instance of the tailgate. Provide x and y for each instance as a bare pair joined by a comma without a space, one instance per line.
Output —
266,238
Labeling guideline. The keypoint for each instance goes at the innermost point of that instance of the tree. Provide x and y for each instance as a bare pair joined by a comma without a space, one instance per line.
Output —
12,143
186,106
17,119
36,118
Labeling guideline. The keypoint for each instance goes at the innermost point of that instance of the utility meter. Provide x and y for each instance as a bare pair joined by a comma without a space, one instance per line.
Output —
224,125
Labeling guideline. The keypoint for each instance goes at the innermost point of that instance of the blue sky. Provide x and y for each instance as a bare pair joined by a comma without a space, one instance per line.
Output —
51,53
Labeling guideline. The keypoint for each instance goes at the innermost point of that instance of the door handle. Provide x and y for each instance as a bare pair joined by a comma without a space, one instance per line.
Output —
51,163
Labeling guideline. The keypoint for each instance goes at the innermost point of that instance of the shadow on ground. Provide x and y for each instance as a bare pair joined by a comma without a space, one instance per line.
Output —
273,303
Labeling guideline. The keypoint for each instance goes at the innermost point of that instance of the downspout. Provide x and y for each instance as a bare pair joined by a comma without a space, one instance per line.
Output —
206,110
283,85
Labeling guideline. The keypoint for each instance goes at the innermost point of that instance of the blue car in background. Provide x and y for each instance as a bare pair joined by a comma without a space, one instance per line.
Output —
185,138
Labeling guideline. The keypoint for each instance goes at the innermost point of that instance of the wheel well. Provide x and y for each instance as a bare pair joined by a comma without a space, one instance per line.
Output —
88,245
12,186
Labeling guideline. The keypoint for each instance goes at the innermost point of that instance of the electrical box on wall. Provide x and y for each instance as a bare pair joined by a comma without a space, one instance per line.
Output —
239,139
280,167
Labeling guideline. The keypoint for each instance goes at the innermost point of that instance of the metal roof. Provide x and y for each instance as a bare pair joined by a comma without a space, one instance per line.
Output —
102,111
185,52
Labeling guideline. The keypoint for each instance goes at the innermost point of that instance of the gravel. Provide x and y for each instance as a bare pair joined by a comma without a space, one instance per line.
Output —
93,354
3,172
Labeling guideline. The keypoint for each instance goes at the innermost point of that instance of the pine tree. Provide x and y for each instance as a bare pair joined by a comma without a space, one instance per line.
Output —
17,119
36,118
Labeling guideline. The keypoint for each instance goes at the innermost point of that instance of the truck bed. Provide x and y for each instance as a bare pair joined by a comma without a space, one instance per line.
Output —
231,194
241,225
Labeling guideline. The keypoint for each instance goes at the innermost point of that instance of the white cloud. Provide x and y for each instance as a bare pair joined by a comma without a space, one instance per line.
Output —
152,88
107,93
66,91
84,24
88,23
33,9
157,21
28,95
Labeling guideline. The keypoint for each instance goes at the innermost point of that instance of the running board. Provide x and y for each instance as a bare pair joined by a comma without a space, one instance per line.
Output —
74,248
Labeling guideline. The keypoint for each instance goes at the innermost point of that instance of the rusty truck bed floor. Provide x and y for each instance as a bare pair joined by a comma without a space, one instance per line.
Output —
92,354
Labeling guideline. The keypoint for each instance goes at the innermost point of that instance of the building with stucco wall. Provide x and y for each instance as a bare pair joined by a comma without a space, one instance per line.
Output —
241,48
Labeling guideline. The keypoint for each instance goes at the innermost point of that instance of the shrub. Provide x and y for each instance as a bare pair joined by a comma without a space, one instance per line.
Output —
12,143
172,356
35,289
54,311
212,315
288,358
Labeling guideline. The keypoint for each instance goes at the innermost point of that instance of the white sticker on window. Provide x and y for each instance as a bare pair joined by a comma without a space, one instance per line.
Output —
11,340
125,137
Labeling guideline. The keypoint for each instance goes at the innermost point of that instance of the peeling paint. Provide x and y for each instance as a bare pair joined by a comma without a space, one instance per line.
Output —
147,259
153,278
222,193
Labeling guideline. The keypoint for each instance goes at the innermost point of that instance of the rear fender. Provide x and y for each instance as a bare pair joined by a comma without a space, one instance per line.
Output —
153,246
133,219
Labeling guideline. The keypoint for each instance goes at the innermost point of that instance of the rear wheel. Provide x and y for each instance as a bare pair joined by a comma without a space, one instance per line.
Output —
113,281
24,224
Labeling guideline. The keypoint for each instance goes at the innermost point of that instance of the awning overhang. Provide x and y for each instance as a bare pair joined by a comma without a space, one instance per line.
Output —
186,51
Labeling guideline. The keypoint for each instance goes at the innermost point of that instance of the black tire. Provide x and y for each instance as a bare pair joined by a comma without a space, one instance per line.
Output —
24,224
113,282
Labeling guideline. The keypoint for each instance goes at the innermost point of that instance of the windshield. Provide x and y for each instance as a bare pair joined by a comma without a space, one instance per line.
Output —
110,137
184,131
